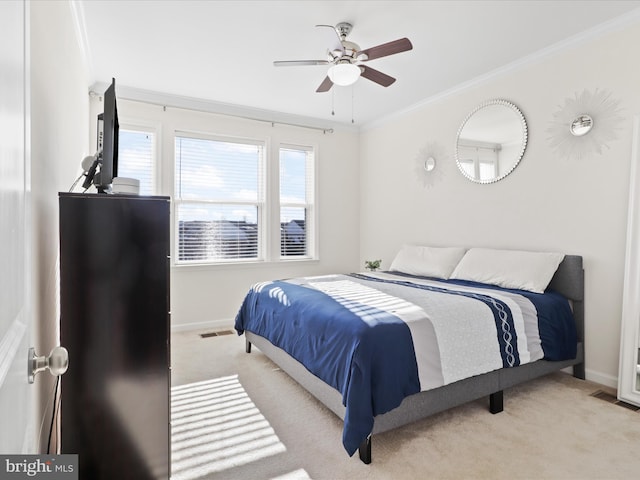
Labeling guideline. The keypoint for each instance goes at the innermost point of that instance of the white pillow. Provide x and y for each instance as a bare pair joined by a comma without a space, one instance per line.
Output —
530,271
437,262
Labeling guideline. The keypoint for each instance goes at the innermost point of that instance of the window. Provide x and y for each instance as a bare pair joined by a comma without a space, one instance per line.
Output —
136,158
479,160
219,199
221,207
296,201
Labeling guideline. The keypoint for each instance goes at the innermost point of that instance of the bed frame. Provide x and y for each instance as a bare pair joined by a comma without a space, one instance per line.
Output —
568,280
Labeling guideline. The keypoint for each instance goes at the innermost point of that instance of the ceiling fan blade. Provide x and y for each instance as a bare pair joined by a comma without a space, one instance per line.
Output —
376,76
298,63
386,49
334,40
325,86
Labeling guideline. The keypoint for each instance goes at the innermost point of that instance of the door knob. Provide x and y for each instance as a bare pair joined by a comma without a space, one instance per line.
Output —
57,362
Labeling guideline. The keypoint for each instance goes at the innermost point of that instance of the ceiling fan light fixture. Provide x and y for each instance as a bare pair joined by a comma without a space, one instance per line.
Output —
344,74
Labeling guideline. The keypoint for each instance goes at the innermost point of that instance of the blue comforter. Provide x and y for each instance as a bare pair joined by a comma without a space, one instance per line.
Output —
365,349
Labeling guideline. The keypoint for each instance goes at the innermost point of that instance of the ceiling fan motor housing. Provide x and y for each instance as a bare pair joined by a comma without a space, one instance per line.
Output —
349,53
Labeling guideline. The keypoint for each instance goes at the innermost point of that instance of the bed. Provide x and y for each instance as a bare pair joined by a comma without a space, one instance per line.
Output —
298,324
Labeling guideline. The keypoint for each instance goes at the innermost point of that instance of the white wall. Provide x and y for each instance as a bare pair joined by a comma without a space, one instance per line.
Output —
547,203
210,296
59,141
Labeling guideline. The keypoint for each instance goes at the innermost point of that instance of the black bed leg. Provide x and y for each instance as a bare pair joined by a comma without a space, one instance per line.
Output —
496,402
578,371
365,450
247,346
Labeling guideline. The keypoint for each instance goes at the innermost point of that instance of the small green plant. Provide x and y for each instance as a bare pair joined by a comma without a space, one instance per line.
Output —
372,265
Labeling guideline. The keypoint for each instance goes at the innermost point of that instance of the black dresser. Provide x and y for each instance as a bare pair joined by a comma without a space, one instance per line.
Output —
115,321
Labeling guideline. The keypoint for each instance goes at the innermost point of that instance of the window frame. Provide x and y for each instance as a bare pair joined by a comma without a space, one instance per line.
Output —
309,204
261,204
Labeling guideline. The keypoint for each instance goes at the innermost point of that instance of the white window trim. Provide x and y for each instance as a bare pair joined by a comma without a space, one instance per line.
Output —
311,229
269,213
263,233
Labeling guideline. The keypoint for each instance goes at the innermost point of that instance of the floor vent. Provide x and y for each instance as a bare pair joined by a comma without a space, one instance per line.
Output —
216,334
608,397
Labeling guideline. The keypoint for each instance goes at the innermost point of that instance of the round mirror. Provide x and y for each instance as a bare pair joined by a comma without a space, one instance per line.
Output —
429,164
581,125
491,141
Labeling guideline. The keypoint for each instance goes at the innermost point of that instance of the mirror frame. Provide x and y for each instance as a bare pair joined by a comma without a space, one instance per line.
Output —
523,122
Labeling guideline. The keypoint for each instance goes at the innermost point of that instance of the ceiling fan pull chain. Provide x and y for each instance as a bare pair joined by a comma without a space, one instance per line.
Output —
352,95
333,96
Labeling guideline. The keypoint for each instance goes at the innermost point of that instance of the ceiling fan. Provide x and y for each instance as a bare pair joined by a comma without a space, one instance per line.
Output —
346,60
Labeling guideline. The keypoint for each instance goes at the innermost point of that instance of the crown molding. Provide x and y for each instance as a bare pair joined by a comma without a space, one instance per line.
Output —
209,106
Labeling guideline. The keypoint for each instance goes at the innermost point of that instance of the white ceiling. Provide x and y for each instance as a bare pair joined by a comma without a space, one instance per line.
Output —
223,51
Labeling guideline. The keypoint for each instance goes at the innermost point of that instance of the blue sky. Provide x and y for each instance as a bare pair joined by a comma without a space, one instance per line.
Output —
215,170
222,171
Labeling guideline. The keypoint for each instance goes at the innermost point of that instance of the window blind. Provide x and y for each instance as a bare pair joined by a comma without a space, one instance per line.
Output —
136,158
296,200
219,198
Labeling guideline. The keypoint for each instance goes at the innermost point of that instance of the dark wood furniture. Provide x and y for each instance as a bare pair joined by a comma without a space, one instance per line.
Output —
114,321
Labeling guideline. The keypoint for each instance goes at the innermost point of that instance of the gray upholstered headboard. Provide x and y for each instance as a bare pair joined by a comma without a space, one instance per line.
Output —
569,278
569,281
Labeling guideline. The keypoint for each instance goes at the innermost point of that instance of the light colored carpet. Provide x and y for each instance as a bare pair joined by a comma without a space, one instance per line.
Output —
237,416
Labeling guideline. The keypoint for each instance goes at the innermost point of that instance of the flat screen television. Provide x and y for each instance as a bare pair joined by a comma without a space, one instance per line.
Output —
105,168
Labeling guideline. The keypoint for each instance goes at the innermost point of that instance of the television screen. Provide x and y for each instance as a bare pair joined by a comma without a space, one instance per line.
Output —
105,169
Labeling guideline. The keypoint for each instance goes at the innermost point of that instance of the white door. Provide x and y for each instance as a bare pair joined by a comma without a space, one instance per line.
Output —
629,371
15,313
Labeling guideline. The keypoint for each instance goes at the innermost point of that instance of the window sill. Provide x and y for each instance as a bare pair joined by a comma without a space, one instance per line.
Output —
246,265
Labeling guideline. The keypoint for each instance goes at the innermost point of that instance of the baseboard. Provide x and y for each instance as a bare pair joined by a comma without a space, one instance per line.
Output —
602,378
225,323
